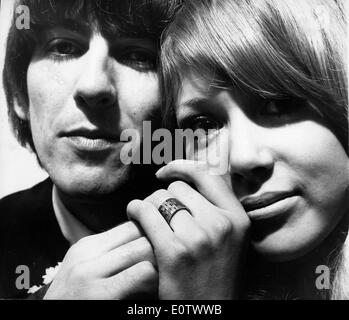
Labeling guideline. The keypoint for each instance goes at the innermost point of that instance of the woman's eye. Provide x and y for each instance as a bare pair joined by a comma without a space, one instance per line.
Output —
141,60
202,122
64,48
271,108
279,108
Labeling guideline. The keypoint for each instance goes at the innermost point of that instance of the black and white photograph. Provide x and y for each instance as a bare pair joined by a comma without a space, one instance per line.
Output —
174,150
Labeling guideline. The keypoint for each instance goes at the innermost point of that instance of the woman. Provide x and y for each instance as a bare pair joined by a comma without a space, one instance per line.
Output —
268,77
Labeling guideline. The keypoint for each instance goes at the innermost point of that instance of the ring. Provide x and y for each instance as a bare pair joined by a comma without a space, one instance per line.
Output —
170,207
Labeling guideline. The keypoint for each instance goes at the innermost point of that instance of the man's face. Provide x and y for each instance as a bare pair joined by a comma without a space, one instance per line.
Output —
83,91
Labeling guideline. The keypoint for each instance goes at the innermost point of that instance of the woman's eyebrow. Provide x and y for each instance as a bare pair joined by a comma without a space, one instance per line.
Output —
194,103
193,106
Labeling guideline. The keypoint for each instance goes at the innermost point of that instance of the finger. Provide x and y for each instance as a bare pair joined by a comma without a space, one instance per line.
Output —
141,278
200,208
113,238
213,220
180,217
183,223
123,258
154,225
212,187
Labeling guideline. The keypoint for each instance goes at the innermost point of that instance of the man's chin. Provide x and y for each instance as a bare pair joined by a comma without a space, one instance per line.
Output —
93,187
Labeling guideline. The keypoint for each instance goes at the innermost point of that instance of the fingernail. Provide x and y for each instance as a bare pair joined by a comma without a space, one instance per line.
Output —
159,171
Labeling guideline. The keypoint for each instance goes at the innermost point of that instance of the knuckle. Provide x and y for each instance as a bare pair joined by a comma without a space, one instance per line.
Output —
147,205
227,230
149,278
138,276
243,225
223,226
133,207
85,247
200,244
175,185
120,282
126,255
179,255
144,244
130,228
134,248
158,195
146,269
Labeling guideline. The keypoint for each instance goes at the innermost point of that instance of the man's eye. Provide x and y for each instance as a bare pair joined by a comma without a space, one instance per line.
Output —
141,60
64,48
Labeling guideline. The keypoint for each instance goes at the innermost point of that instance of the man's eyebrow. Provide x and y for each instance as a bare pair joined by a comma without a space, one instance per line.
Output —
69,24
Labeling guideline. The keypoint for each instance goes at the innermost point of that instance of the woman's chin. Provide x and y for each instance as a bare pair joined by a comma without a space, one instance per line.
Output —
282,249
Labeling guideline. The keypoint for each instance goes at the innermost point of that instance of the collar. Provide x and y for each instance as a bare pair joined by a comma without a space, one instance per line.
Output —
73,230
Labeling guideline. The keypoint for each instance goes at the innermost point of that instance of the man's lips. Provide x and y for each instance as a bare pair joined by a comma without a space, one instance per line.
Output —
94,134
91,140
264,200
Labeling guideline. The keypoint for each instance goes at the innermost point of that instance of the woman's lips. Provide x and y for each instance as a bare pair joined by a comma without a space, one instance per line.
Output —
269,204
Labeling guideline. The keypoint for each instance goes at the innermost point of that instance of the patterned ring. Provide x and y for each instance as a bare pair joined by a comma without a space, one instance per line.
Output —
170,207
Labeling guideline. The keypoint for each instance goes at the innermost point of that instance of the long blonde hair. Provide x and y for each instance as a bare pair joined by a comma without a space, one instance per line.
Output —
273,48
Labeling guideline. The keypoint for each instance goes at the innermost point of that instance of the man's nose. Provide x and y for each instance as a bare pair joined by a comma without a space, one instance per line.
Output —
249,153
95,87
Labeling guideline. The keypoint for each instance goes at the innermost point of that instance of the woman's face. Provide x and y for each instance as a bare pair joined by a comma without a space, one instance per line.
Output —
286,167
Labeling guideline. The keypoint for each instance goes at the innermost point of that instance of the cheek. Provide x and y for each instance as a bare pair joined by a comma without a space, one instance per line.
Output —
48,92
308,156
311,149
315,159
215,153
138,93
49,88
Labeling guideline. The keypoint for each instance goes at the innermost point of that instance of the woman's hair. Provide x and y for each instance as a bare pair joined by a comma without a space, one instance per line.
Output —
272,48
143,18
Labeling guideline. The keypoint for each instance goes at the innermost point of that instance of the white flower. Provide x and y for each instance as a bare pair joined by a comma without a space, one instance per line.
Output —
33,289
47,278
51,273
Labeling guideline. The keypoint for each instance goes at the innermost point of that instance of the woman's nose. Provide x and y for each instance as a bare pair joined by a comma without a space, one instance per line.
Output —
249,153
95,87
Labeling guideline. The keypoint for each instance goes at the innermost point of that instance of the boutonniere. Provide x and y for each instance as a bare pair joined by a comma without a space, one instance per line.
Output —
47,278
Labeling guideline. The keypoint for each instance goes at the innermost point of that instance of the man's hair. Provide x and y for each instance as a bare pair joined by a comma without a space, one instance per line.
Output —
272,48
131,18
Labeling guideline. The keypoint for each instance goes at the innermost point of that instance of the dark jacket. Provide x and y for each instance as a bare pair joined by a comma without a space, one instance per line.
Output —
29,236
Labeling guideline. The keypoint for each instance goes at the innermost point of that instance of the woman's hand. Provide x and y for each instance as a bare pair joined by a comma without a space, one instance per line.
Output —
199,255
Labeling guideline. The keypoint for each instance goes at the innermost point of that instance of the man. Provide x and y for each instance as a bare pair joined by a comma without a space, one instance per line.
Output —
82,73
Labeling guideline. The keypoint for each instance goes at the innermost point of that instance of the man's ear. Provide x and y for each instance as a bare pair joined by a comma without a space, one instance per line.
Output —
21,112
